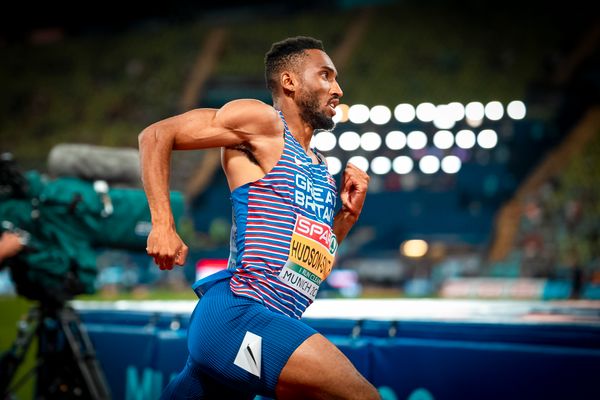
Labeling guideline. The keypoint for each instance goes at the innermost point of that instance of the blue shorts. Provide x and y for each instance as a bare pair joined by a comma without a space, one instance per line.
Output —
237,347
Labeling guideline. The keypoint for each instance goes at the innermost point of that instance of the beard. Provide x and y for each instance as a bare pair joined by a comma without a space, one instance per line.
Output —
311,114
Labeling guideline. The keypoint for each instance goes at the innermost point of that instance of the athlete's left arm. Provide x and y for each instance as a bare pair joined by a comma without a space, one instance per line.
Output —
353,191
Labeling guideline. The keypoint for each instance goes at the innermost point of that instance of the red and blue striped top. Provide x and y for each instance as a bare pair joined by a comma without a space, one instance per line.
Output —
282,243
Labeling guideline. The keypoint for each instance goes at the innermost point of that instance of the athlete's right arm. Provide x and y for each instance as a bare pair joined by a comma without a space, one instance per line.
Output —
236,122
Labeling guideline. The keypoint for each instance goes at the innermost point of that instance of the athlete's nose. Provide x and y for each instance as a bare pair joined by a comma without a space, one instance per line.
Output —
336,89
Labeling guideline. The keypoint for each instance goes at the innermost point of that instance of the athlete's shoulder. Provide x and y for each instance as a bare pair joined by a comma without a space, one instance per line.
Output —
252,115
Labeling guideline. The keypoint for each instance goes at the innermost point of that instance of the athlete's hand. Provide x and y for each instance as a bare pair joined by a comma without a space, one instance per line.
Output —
166,247
353,189
10,245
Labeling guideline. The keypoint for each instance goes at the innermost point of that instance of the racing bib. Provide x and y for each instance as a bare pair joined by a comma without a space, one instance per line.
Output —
310,260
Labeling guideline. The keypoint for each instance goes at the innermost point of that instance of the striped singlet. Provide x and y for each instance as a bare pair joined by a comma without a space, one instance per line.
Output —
282,242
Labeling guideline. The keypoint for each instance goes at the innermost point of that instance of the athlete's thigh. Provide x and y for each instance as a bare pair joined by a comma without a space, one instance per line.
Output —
319,370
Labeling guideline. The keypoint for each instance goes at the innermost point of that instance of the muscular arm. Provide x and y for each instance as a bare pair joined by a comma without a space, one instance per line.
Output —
236,122
353,192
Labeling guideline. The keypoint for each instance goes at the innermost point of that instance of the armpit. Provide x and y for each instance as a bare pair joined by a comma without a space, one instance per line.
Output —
247,149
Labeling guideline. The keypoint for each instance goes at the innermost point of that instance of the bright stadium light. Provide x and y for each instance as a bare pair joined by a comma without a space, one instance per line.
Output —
451,164
516,109
444,117
341,113
443,139
402,165
370,141
404,112
360,162
474,123
358,114
349,141
429,164
380,115
487,139
334,165
395,140
416,140
474,111
381,165
324,141
465,139
426,112
494,110
457,110
415,248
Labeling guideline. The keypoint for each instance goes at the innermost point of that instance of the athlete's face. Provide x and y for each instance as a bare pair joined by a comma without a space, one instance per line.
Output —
319,91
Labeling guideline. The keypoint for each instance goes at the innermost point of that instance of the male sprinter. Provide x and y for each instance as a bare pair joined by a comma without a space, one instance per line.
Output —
245,336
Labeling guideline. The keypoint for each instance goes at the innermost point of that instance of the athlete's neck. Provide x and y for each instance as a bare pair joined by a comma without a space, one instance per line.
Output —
301,130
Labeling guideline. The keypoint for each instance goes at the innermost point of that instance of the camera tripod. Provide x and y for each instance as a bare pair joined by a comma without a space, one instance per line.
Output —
66,366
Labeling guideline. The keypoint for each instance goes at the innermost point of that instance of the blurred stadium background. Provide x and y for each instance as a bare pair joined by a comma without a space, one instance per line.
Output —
478,123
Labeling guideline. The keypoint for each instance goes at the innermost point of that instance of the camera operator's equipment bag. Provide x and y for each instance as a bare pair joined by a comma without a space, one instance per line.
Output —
66,218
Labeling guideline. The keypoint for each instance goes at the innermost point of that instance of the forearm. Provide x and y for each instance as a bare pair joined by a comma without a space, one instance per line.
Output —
342,223
155,148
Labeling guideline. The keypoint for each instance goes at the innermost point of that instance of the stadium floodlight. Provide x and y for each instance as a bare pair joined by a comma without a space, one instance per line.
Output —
474,123
381,165
360,161
370,141
402,165
426,112
349,141
341,113
416,140
395,140
334,165
443,139
465,139
494,110
324,141
487,139
516,109
474,111
415,248
404,112
380,115
451,164
358,114
429,164
457,110
444,117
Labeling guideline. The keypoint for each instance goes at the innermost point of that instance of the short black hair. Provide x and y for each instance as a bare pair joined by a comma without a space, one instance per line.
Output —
285,52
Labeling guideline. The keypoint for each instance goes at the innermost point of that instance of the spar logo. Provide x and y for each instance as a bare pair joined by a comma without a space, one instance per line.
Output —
320,233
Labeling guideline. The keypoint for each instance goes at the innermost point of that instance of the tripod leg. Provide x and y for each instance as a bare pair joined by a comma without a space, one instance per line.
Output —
12,358
84,353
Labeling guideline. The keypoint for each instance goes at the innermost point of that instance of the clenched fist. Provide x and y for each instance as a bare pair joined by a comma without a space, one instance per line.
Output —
353,190
166,247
